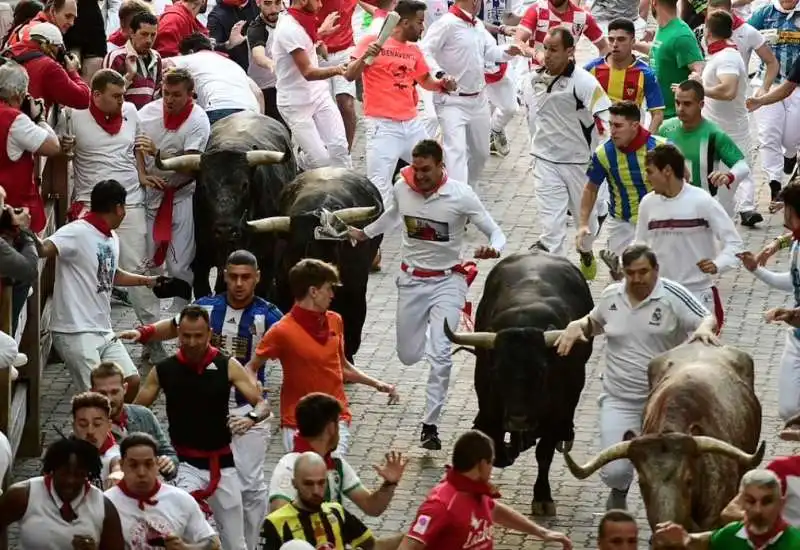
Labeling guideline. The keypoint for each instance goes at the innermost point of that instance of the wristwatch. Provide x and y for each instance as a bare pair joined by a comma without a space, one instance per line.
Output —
253,416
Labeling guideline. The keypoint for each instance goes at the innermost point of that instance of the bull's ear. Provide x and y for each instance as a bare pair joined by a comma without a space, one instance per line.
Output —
628,435
695,430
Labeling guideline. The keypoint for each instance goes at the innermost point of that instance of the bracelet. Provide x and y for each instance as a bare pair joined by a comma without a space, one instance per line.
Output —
146,332
784,241
388,484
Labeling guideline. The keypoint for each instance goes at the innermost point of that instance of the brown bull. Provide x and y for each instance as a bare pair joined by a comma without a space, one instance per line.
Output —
700,432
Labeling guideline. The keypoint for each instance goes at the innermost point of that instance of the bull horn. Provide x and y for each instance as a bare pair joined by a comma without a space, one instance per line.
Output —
476,339
356,214
272,224
615,452
707,444
551,337
182,163
260,156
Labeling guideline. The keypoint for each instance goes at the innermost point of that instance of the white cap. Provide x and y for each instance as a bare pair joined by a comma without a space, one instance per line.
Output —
297,545
47,32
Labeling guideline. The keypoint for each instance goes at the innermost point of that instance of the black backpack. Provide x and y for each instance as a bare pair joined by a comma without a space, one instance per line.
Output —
6,54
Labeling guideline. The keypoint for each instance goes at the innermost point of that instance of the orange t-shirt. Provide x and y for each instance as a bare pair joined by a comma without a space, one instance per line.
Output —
307,365
389,83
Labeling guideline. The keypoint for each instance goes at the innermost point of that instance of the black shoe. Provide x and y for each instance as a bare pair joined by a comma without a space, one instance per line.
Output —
789,164
750,219
538,246
429,438
120,297
774,190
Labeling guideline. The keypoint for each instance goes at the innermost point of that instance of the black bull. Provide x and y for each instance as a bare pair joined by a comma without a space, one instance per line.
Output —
524,388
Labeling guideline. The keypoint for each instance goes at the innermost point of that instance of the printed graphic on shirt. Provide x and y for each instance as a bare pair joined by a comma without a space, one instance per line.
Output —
421,526
148,530
427,230
480,531
677,224
655,320
105,268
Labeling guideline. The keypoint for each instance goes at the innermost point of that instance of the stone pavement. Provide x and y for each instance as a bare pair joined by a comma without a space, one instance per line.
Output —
507,191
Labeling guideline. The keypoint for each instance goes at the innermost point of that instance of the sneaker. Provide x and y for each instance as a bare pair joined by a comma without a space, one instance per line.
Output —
750,219
499,144
429,438
774,191
538,246
788,165
588,265
617,500
610,258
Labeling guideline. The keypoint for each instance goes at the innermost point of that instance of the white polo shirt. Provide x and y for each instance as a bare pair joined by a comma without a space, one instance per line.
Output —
342,480
732,114
637,334
25,136
220,83
292,87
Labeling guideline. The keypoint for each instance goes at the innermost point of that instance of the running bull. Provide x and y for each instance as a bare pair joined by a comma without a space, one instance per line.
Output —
524,388
702,423
240,176
303,205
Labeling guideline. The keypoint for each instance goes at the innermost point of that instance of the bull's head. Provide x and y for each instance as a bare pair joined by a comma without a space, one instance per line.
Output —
667,466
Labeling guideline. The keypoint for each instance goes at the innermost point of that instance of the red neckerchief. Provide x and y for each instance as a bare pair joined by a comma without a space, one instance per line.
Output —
201,365
467,485
118,38
410,179
66,510
112,124
301,445
141,499
760,541
315,323
720,45
174,121
123,419
97,221
464,16
737,21
307,20
107,444
637,142
380,14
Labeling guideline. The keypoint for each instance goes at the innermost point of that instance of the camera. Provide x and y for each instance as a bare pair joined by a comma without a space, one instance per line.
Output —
33,108
6,219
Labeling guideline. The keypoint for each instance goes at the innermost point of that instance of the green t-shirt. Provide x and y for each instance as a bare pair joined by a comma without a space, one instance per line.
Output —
705,148
674,49
733,537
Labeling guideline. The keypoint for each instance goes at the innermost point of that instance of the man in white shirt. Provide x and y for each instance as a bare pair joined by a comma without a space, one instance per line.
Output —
170,126
261,68
10,358
569,100
154,513
91,422
88,252
685,226
457,44
304,97
642,317
433,279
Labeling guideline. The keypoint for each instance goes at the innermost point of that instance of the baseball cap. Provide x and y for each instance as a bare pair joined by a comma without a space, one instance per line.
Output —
47,32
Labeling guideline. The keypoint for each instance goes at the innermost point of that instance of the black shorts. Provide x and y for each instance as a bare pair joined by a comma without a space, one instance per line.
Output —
88,34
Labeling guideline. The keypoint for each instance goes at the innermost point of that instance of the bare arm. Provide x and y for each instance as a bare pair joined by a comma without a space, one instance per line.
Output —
697,67
642,47
261,58
511,519
733,511
354,375
602,46
149,391
246,384
211,543
46,248
411,544
725,90
313,73
588,199
776,94
13,504
111,538
430,83
256,92
124,278
51,145
772,68
656,118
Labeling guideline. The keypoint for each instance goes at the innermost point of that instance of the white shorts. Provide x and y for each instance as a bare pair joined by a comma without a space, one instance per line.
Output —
620,233
287,434
83,351
339,85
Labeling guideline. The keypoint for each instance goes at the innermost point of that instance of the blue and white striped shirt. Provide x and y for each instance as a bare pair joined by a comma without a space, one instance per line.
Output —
787,43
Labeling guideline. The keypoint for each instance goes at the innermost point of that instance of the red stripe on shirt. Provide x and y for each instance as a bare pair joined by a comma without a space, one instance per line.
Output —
677,224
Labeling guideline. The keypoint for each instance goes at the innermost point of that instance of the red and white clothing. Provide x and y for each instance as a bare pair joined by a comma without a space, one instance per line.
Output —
43,527
339,44
109,455
176,23
147,80
168,511
788,470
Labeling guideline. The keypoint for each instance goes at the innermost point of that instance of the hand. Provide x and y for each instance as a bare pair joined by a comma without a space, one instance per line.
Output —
748,260
514,49
573,333
174,542
768,251
329,26
129,335
555,536
80,542
509,31
165,465
394,397
752,103
145,145
67,144
236,37
114,478
152,182
449,83
707,338
697,77
341,69
239,424
3,196
720,179
373,50
131,65
790,434
674,88
149,281
672,534
72,63
781,314
708,267
357,234
583,232
21,219
649,35
393,467
486,253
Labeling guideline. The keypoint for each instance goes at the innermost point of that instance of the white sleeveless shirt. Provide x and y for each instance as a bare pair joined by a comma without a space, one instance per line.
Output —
43,528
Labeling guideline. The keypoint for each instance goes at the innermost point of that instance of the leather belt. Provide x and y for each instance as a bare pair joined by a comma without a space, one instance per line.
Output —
469,95
425,273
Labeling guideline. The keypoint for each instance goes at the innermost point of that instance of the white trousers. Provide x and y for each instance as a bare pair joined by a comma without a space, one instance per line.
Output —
225,503
502,101
621,234
338,84
778,133
558,188
789,379
182,246
249,450
318,129
427,112
387,142
133,258
465,126
287,435
83,351
423,304
617,416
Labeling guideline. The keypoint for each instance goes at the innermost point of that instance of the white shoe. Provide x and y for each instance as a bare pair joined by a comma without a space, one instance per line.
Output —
21,360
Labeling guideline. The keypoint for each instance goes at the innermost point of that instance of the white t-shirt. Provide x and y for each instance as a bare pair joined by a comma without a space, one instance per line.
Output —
106,459
292,86
747,40
5,457
263,77
85,268
24,135
100,156
192,135
176,513
219,82
637,334
728,115
341,481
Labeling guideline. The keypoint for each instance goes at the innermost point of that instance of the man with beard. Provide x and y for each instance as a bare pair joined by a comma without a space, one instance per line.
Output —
91,421
261,68
642,317
763,527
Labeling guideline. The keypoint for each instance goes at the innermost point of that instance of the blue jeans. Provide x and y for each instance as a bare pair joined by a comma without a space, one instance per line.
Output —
219,114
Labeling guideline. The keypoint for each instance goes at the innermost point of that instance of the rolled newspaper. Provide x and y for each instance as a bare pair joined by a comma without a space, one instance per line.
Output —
392,18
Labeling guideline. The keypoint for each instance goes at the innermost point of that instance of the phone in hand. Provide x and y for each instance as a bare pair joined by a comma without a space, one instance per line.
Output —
157,540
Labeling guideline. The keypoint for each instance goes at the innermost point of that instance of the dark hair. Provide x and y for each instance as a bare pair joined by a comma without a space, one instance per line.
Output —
428,148
195,42
790,196
107,195
622,24
627,109
90,399
665,155
137,439
55,5
106,369
104,78
314,412
59,452
670,4
636,251
311,272
720,24
176,76
23,13
470,449
693,86
407,9
720,4
614,516
128,9
242,257
193,313
565,35
144,17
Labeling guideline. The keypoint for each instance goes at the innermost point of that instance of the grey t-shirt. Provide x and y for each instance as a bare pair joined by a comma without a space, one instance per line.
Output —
608,10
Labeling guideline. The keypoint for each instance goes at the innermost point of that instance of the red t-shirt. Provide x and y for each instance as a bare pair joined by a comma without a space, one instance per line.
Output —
540,18
343,37
457,514
788,470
